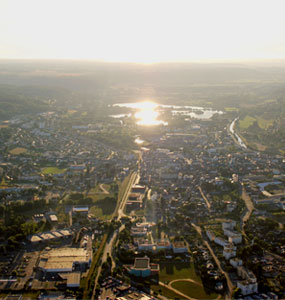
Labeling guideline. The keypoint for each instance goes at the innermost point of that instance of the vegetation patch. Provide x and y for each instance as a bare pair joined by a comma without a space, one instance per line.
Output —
246,122
18,151
177,270
164,291
53,170
193,290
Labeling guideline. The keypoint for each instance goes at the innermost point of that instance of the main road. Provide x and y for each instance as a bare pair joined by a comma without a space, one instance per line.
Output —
133,179
110,243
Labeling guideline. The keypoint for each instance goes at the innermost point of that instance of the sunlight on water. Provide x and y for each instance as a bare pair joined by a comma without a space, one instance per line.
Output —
147,115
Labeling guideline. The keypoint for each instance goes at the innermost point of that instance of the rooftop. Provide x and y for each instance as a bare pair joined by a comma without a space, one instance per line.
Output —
141,263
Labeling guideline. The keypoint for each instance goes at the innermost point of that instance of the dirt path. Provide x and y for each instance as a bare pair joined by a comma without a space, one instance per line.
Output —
176,291
205,198
104,191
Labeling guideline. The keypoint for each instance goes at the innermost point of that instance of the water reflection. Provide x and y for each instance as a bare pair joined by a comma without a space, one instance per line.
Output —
148,112
139,141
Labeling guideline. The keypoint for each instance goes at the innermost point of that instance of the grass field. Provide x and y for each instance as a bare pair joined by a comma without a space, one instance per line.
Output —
193,290
161,290
98,213
18,151
53,170
246,122
104,204
264,124
179,270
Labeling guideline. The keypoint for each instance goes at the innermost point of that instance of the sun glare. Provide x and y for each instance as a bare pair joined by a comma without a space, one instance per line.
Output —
147,115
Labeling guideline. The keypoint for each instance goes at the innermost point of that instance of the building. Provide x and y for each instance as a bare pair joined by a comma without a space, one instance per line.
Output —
235,262
65,260
80,210
249,283
136,296
211,236
143,268
229,253
220,241
247,287
50,235
229,224
179,247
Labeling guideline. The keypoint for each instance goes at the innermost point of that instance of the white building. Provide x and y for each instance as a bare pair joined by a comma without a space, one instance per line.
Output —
235,262
229,253
211,236
235,238
229,224
220,241
247,287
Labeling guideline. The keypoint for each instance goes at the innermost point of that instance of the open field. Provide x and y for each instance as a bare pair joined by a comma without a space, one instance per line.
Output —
161,290
246,122
104,204
18,151
53,170
179,270
193,290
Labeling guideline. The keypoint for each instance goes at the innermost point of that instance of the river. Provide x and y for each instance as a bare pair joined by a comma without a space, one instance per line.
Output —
238,139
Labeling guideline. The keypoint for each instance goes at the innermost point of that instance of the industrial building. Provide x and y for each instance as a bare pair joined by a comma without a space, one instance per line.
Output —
64,260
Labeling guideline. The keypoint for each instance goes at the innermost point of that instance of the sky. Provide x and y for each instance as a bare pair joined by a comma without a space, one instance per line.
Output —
143,31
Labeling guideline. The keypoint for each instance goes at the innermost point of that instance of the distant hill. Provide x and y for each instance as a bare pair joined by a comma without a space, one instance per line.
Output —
25,99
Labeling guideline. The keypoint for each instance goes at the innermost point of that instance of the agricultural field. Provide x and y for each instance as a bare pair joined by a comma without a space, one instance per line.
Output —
18,151
53,170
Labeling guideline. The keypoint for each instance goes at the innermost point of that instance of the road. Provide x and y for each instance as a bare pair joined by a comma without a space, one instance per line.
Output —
133,179
205,198
229,282
250,207
109,245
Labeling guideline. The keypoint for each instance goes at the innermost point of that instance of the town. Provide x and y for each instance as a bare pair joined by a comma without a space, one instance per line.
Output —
111,209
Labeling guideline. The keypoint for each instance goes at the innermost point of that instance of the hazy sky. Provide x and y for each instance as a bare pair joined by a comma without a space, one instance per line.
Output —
142,31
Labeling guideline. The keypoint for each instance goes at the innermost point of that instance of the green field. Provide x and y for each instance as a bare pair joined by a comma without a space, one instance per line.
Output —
179,270
98,213
161,290
104,204
18,151
52,170
193,290
246,122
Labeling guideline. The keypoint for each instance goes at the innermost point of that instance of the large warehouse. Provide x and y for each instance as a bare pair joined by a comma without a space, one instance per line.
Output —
64,260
